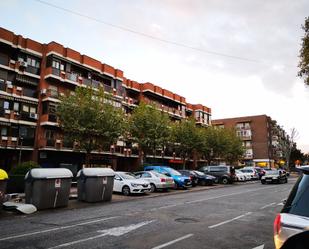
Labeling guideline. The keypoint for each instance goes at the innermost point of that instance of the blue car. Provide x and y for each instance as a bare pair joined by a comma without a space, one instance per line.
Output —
180,180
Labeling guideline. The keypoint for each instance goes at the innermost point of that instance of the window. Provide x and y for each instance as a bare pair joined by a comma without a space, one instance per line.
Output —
4,131
25,108
58,65
16,106
49,134
33,62
32,110
6,105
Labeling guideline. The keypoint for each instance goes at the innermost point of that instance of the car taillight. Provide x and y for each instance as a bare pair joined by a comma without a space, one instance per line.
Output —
191,178
163,180
277,224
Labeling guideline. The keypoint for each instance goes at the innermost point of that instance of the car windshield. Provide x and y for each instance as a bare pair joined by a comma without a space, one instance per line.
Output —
298,203
246,170
238,171
127,175
272,172
199,173
172,171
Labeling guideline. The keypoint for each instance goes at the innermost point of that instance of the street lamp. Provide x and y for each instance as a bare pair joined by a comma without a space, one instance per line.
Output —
20,147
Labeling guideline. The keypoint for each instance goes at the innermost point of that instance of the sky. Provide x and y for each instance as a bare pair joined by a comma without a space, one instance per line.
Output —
237,57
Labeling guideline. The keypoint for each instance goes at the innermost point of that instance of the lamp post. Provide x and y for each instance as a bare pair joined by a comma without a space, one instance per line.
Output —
20,147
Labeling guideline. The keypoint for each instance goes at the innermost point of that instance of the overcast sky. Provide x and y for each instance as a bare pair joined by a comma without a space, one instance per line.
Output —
266,35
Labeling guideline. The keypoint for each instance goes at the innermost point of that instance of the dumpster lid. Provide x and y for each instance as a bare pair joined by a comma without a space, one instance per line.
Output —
50,173
96,172
3,175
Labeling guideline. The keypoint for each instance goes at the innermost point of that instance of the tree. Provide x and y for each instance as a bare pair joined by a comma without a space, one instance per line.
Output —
150,128
304,54
188,138
221,144
288,146
89,118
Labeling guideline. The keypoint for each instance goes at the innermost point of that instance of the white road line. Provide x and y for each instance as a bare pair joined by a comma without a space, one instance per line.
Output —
280,204
115,231
56,229
259,247
173,241
228,221
268,205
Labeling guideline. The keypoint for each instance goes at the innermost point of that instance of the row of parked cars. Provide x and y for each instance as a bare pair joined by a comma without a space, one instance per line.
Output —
163,178
155,178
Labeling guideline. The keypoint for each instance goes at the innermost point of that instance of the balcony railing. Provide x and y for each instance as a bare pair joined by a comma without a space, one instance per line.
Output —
71,76
33,70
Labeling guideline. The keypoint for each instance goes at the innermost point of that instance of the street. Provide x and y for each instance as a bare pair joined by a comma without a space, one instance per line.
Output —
237,216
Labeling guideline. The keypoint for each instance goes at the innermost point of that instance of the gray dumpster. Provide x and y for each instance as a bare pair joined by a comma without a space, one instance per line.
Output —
48,188
95,184
3,182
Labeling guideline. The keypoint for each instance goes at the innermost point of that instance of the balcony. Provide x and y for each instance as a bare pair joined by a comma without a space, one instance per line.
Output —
8,141
32,70
26,116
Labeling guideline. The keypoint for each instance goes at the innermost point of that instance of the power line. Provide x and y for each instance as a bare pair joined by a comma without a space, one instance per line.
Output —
150,36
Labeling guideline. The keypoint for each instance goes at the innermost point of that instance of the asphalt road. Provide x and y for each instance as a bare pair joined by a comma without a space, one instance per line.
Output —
238,216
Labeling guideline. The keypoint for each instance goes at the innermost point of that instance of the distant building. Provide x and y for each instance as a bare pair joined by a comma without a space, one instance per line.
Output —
32,78
264,140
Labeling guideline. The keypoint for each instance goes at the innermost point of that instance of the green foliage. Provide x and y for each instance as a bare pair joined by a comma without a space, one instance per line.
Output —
222,144
89,118
149,127
188,138
304,54
23,168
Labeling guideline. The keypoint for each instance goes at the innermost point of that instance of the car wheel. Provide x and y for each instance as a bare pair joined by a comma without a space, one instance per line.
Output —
216,180
263,182
203,183
126,190
286,180
152,188
225,180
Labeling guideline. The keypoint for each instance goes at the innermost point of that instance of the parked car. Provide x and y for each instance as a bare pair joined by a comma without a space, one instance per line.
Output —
250,171
190,174
241,176
274,176
223,174
198,177
127,183
294,217
157,181
204,179
180,180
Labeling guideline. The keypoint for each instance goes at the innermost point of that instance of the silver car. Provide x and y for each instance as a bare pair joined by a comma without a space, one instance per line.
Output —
156,180
294,217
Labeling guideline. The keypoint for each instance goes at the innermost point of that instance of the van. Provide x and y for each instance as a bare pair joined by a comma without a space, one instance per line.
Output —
224,174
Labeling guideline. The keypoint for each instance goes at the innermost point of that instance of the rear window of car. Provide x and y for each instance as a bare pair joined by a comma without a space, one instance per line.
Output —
272,172
218,169
298,203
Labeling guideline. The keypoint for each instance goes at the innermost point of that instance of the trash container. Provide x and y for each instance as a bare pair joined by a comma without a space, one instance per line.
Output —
48,187
95,184
3,181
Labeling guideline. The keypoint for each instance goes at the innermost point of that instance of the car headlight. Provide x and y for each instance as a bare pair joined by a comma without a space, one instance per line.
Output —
134,184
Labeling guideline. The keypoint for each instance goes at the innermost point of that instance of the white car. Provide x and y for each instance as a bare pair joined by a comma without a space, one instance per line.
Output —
250,173
156,180
127,183
240,176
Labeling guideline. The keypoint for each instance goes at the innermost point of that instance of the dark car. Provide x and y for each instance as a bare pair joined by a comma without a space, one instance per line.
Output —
224,174
274,176
293,221
198,177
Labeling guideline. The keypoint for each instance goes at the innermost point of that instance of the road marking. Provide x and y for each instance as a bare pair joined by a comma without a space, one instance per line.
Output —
228,221
280,204
115,231
56,229
259,247
173,241
268,205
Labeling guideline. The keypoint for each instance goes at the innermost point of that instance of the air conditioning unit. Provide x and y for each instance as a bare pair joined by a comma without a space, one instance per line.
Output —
33,115
4,138
14,139
58,141
23,64
61,94
19,88
7,111
43,91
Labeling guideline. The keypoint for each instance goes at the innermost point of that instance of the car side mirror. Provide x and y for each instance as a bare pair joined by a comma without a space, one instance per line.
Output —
284,202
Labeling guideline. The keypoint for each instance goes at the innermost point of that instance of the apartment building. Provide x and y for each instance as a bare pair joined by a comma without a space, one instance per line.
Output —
32,78
263,139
